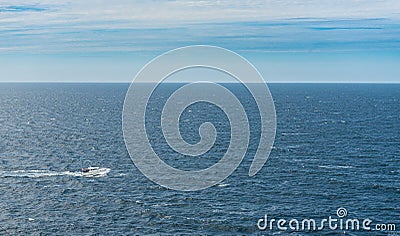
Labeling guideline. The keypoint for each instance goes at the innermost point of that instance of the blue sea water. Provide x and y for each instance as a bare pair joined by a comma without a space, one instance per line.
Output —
337,145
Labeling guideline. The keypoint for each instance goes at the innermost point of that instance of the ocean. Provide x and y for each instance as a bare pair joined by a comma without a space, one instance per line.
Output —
337,146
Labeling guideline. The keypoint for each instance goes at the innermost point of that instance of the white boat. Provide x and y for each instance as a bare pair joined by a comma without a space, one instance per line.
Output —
93,171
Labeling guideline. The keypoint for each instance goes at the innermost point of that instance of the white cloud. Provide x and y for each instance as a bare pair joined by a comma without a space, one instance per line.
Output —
52,26
158,12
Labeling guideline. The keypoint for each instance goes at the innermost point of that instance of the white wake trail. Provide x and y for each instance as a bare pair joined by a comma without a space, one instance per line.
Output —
46,173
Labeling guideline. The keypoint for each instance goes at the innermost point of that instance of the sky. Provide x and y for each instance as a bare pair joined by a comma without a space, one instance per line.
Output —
287,41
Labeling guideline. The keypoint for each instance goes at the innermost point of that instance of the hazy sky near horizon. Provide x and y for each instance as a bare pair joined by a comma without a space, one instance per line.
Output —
109,41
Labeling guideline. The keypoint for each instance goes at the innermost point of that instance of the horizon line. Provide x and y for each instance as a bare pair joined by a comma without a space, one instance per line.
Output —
222,82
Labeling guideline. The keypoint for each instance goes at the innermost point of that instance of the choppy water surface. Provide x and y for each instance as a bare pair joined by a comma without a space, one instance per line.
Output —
336,146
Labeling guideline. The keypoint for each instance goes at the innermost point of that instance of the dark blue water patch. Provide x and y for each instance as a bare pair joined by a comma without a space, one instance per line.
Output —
337,145
190,121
